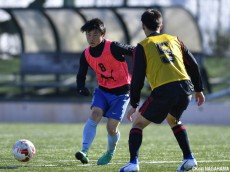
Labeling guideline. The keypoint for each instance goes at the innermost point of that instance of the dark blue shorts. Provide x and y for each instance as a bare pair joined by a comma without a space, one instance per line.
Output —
113,106
170,98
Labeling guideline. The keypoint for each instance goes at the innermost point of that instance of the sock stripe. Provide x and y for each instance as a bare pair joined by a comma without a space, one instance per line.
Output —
136,130
178,129
182,139
135,140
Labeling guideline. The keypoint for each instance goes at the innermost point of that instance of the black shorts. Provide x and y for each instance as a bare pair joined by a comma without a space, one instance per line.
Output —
170,98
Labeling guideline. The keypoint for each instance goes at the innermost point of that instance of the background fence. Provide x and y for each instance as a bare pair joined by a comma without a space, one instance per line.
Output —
39,39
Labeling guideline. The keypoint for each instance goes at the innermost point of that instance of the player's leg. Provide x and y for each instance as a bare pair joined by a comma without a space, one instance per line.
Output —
113,138
180,133
154,109
113,134
115,113
135,136
135,140
89,131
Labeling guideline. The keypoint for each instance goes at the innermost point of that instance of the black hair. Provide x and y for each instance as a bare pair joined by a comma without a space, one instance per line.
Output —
94,24
152,19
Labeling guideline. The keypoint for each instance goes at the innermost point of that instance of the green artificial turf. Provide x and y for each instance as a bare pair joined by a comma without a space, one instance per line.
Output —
56,145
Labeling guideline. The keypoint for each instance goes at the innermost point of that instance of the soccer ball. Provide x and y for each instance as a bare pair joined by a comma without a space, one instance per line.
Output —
23,150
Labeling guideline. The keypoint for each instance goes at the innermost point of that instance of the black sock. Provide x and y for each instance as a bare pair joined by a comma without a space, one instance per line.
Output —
182,139
135,140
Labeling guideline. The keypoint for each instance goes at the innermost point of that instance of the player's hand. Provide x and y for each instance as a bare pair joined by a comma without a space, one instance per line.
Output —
83,91
130,113
199,97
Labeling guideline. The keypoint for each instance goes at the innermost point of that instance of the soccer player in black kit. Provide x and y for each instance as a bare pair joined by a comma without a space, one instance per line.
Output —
171,71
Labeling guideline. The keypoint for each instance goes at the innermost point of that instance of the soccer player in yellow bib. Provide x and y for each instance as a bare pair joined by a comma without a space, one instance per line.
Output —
173,75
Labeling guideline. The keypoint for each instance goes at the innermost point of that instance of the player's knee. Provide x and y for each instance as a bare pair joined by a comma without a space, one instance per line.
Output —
172,121
112,128
111,131
95,116
138,125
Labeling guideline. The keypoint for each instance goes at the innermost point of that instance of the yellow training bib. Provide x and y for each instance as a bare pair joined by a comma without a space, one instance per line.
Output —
164,58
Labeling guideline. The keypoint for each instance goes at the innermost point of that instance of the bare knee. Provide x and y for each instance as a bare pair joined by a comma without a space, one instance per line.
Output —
112,126
138,125
96,114
172,121
112,130
140,122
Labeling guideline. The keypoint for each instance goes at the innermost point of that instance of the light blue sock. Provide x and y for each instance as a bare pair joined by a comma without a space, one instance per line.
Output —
112,142
89,134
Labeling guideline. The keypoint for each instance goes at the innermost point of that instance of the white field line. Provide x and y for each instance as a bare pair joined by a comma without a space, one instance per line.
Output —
120,162
152,162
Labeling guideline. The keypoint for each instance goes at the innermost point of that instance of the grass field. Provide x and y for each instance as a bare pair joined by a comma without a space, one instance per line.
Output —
56,145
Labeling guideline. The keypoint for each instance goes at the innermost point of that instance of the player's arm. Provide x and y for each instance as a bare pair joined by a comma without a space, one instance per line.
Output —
138,75
119,49
192,68
81,76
